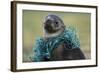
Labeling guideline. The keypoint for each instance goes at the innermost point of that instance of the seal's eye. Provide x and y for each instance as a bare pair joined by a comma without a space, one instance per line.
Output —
56,24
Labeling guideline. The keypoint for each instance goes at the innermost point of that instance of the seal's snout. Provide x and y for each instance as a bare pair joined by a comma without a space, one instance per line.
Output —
48,25
48,22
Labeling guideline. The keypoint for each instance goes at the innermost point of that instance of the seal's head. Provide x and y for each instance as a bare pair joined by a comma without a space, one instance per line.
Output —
53,26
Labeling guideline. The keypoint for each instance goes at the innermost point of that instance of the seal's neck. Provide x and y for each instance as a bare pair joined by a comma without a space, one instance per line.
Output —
49,35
